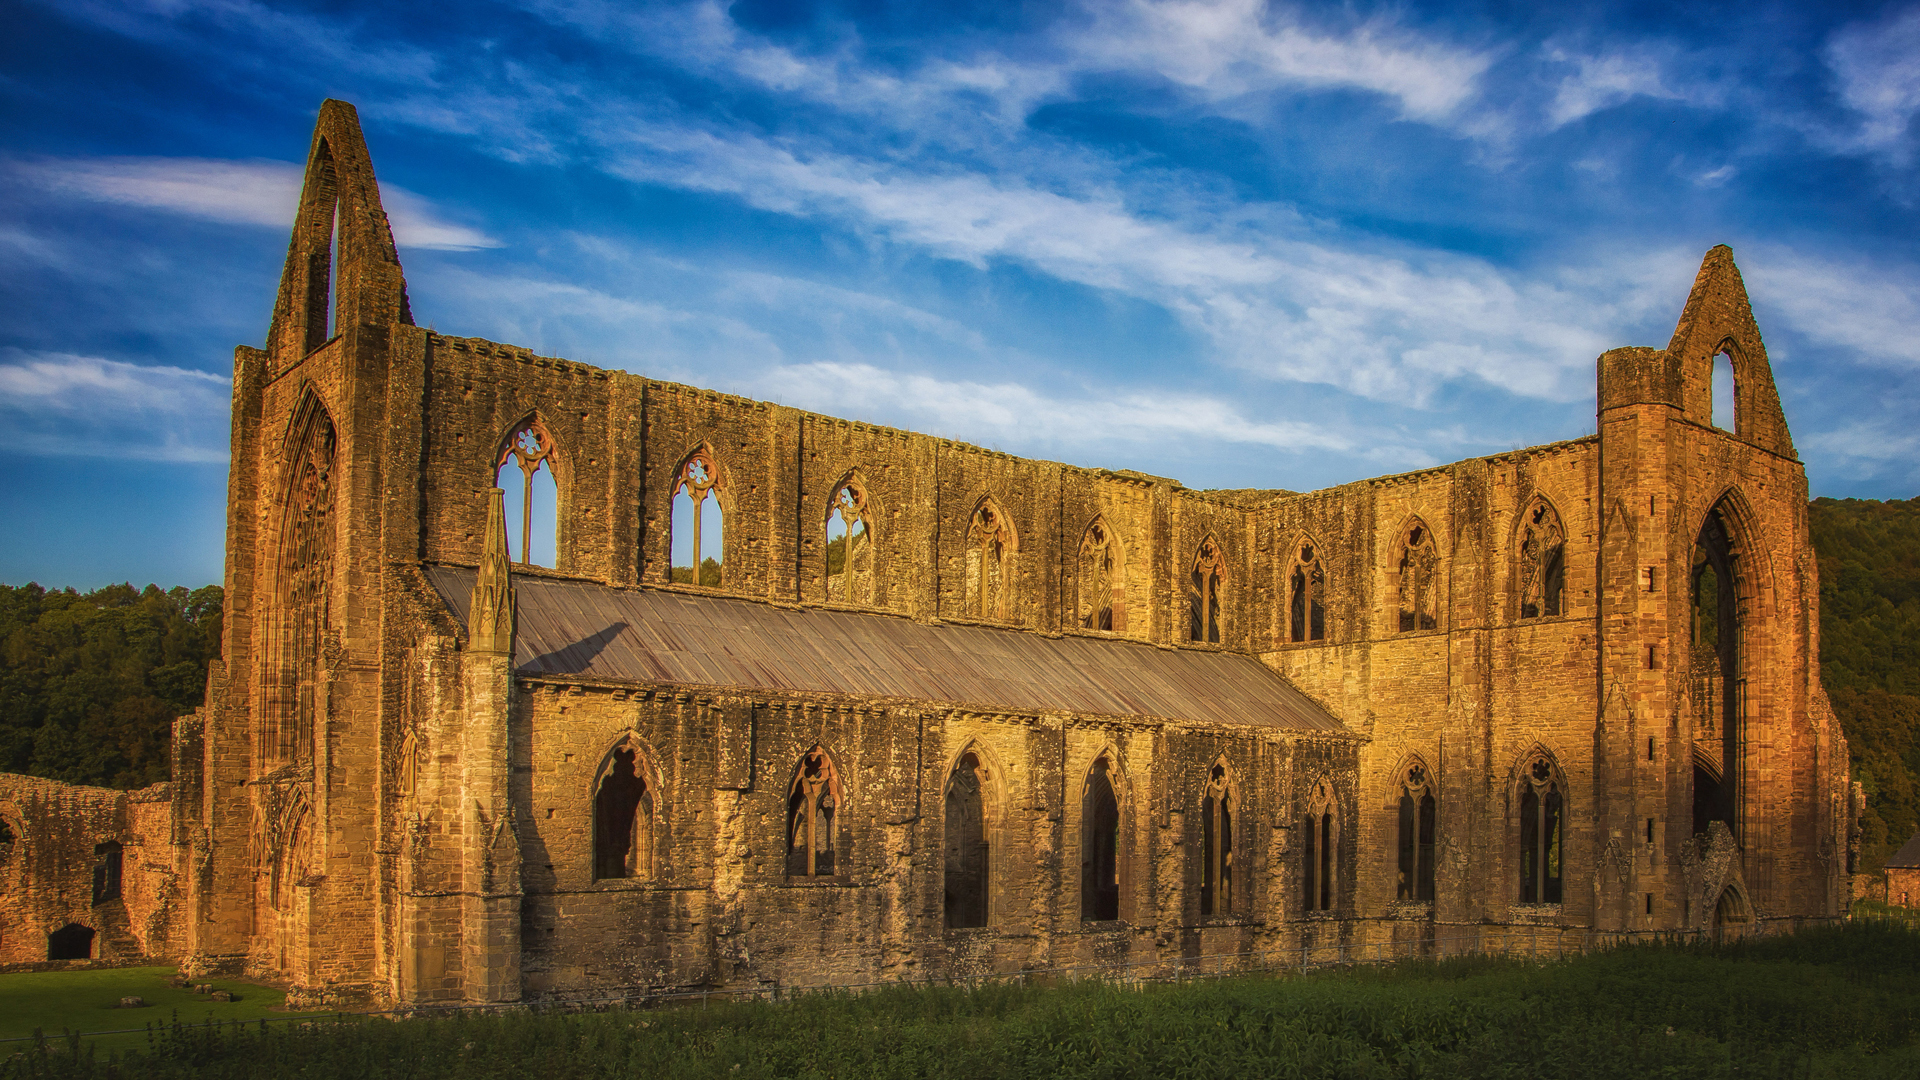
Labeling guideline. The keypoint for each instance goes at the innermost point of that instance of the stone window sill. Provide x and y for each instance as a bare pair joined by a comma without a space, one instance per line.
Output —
818,881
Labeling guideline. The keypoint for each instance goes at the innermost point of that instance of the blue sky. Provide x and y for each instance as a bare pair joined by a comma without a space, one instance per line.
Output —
1234,243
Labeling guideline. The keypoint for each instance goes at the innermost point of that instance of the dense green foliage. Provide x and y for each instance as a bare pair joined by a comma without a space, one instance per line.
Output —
1842,1001
90,684
1869,555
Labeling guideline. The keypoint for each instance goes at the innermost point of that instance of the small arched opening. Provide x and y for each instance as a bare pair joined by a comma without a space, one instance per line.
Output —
1100,845
967,840
71,942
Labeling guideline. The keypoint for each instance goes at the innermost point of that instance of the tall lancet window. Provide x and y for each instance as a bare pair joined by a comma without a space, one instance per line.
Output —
1216,844
850,546
1419,579
525,472
813,805
297,700
1543,813
1417,809
698,555
1209,571
1543,561
1307,611
1102,580
992,544
1319,849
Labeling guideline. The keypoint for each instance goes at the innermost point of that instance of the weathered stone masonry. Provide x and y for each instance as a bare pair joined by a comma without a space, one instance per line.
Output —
1026,715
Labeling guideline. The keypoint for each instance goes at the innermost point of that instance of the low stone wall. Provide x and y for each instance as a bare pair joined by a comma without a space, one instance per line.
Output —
87,873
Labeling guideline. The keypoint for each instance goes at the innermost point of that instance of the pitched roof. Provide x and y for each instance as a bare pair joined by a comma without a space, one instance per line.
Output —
647,635
1907,856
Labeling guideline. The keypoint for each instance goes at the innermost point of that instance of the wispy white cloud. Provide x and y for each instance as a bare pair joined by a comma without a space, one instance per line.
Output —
1226,48
1603,80
1870,308
235,192
1002,414
83,406
1877,66
334,44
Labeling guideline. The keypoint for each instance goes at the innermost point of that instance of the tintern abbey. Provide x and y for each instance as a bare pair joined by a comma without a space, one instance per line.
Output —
798,701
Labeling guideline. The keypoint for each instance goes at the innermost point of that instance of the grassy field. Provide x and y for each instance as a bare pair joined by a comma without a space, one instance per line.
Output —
86,1001
1840,1002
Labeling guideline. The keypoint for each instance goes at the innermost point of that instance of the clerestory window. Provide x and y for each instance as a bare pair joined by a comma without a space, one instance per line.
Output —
1308,590
991,547
525,473
1419,580
698,555
1102,579
849,545
1203,596
1543,561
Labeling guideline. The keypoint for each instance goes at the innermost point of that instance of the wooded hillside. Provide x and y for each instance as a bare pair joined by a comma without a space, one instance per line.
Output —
1870,654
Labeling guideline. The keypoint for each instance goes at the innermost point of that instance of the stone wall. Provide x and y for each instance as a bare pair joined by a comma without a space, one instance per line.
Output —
61,872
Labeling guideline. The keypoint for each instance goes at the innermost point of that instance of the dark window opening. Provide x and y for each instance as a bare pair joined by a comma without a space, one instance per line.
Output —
966,844
1716,670
623,819
1100,844
1542,834
106,871
812,806
1203,598
1649,830
1319,850
70,942
1415,882
1649,903
1308,612
1216,845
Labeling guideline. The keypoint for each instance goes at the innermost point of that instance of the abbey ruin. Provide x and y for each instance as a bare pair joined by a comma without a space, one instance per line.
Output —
803,701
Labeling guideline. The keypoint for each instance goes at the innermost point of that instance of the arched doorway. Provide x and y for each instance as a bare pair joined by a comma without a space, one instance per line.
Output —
70,942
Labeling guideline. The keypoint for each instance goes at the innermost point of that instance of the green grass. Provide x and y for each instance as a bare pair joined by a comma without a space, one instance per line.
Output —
57,1002
1833,1002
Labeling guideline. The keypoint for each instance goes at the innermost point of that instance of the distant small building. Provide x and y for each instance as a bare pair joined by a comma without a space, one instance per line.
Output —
1903,874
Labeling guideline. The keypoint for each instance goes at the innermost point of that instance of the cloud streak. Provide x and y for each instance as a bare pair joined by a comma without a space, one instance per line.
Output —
86,406
234,192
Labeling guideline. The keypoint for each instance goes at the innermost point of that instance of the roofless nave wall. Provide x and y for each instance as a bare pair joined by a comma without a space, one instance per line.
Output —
937,710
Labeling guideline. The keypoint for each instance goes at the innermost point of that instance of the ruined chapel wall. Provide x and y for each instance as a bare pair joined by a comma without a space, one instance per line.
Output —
47,874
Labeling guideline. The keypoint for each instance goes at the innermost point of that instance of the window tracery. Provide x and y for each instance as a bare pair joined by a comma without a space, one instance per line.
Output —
1209,571
1419,580
1417,820
1319,851
1542,831
530,451
1308,589
992,543
1543,564
698,553
1216,843
306,571
623,812
1102,579
1100,844
813,803
850,552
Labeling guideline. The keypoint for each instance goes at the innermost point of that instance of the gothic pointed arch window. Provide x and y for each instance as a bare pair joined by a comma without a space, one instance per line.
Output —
698,555
1416,834
293,863
624,805
1319,851
1203,594
1218,805
1307,593
525,470
967,823
1100,843
1419,579
1542,830
1542,554
298,678
1102,579
992,545
850,552
1716,668
813,816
